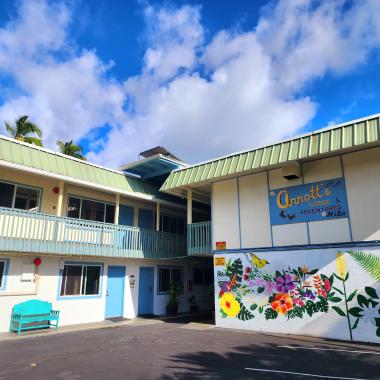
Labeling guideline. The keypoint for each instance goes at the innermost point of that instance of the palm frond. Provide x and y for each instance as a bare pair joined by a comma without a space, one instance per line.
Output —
10,129
71,149
33,140
369,262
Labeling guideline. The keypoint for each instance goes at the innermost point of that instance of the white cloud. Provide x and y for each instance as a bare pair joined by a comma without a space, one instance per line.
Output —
199,99
68,96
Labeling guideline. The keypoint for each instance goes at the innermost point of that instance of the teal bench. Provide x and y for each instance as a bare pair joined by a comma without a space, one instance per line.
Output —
35,314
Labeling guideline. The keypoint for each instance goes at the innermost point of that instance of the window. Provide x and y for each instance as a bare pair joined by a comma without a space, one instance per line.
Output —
202,276
19,196
173,224
166,276
80,279
2,273
88,209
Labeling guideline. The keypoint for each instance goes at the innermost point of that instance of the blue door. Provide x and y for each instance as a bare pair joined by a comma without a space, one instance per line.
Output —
126,215
146,219
146,286
115,291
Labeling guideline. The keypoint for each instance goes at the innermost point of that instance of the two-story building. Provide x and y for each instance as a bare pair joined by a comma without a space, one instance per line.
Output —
97,243
296,232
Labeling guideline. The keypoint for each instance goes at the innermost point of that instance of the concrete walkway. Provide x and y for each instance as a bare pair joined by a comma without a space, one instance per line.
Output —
184,317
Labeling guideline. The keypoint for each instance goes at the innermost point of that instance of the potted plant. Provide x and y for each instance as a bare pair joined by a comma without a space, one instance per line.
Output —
174,292
194,308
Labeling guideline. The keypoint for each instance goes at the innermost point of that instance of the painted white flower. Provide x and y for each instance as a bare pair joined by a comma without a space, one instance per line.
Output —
370,313
261,299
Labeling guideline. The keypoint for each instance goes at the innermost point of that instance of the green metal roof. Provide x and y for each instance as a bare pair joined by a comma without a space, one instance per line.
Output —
325,141
15,152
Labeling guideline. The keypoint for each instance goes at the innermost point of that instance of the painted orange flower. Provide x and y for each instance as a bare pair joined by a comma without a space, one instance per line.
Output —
282,303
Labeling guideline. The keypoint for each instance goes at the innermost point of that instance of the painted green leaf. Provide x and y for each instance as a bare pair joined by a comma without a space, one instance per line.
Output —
331,278
362,300
261,309
355,311
347,276
371,292
335,299
314,271
338,290
223,314
244,313
355,324
351,296
378,331
253,307
369,262
339,278
260,290
236,268
339,311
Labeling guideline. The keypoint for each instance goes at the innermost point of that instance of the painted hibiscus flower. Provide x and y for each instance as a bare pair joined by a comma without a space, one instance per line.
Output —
282,303
229,305
284,284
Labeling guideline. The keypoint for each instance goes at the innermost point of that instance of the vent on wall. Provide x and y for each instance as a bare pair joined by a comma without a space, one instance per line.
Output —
291,171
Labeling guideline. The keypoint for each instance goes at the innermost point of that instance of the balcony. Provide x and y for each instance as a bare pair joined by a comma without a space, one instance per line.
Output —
199,239
23,231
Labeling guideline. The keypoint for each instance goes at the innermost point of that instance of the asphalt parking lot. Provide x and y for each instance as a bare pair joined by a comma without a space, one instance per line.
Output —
183,351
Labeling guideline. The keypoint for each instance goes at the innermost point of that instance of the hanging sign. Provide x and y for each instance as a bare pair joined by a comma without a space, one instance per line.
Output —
322,200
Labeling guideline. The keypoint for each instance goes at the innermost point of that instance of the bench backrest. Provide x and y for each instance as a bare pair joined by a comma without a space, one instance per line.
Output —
32,307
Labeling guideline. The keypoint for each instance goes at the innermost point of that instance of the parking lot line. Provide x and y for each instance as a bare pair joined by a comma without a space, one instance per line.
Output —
330,349
302,374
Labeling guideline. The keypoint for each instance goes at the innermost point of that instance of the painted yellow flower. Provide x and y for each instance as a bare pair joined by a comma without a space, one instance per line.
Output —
229,305
341,264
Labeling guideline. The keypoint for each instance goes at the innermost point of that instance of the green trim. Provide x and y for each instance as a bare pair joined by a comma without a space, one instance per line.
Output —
355,134
14,152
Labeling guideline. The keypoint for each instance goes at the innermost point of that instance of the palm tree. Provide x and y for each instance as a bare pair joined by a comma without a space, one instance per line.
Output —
22,128
71,149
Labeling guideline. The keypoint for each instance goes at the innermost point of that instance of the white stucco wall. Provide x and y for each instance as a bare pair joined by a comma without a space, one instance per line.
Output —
322,324
362,174
88,309
225,216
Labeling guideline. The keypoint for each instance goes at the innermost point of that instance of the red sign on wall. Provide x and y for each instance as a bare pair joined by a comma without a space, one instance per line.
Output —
220,245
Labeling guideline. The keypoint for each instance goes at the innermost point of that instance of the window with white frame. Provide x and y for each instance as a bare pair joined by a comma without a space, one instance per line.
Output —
202,276
2,272
80,280
19,196
167,276
82,208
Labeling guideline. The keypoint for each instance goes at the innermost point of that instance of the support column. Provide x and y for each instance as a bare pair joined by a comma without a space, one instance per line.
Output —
189,206
60,198
158,216
117,209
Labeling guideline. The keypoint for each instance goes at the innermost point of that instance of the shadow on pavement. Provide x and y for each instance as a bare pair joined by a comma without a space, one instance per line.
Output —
233,364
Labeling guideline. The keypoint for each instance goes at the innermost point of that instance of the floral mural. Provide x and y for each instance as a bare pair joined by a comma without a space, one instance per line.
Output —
249,289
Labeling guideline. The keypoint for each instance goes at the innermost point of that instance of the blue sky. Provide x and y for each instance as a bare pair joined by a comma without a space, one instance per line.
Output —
202,78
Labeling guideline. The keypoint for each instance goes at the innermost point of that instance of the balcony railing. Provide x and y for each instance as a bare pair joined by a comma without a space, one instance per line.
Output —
23,231
199,238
